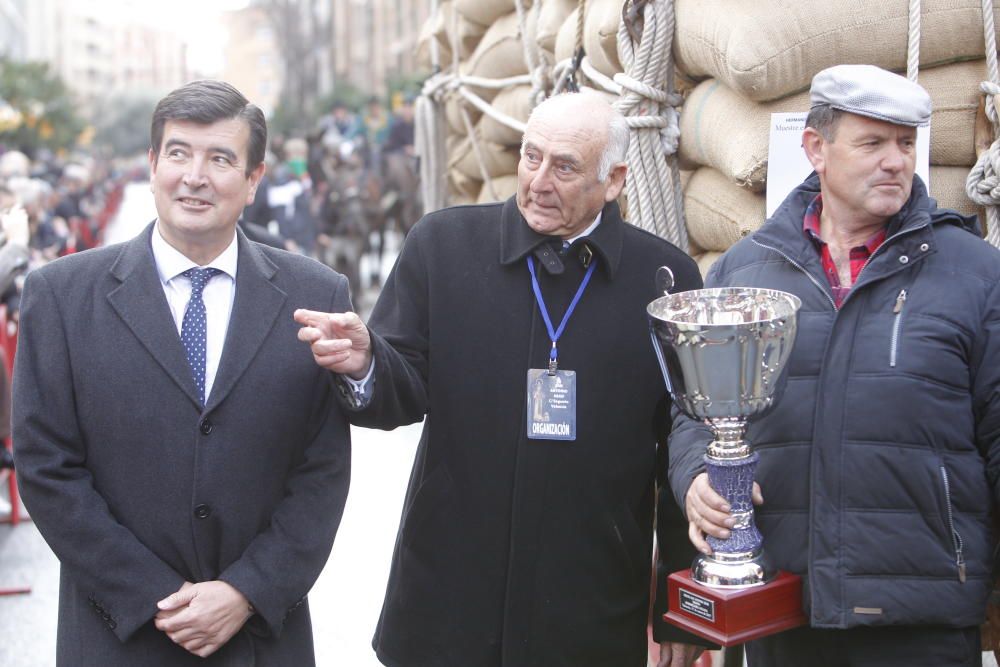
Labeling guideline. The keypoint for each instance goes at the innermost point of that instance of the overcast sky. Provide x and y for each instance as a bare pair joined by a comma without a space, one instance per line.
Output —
197,22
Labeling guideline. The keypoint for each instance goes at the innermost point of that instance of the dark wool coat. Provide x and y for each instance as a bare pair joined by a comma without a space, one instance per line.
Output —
880,464
518,552
137,488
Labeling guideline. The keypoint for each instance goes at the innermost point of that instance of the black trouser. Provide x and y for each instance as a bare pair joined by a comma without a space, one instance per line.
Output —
902,646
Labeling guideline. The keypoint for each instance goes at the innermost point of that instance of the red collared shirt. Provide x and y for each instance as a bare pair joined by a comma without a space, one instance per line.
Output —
859,254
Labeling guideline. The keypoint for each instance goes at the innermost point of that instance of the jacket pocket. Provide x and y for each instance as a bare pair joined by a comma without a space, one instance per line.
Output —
949,517
629,539
430,499
897,320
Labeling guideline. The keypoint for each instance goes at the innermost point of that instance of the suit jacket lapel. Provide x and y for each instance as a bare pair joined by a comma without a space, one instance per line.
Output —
140,302
255,310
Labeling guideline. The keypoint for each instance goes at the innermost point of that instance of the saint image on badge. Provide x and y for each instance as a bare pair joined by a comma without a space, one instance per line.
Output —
551,404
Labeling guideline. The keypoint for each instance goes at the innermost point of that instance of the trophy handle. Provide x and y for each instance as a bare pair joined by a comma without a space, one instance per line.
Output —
664,280
660,359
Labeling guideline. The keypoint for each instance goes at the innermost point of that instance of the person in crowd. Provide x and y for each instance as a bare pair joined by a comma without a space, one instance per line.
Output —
175,444
376,122
879,465
517,331
400,135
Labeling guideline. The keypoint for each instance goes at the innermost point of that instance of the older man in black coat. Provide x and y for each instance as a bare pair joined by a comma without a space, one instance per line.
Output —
527,530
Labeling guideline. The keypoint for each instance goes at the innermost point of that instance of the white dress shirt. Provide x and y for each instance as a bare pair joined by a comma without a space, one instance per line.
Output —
218,295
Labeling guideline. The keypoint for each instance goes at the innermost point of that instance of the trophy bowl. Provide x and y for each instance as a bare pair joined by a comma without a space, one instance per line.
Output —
722,350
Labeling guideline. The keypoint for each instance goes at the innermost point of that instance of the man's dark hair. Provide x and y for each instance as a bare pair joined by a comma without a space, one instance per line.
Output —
824,119
206,102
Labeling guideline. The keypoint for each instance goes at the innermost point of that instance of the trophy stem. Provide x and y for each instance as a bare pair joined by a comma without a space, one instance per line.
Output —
738,560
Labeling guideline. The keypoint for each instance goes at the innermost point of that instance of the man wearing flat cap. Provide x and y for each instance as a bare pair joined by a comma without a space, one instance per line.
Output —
879,463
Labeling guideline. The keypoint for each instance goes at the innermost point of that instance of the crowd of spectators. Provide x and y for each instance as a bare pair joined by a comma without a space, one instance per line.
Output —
50,206
325,194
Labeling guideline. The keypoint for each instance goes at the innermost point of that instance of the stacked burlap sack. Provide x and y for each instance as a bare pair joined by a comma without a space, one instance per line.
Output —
485,39
745,61
761,57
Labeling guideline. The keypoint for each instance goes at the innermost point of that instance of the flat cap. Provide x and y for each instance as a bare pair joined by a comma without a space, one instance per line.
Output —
871,91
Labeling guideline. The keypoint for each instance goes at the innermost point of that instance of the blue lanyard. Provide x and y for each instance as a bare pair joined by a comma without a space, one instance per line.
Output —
554,335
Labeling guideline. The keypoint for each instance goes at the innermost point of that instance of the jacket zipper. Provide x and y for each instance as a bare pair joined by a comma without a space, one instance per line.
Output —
897,310
956,539
798,266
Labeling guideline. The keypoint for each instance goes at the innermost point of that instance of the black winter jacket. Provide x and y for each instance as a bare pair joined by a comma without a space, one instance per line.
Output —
880,463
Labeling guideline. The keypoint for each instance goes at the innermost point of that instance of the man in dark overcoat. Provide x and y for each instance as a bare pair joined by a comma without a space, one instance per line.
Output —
177,447
527,531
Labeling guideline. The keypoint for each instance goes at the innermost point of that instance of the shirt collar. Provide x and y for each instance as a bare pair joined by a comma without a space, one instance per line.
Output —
587,231
171,262
605,237
811,226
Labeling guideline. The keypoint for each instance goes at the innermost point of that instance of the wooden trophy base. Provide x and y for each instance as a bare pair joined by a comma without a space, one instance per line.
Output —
730,616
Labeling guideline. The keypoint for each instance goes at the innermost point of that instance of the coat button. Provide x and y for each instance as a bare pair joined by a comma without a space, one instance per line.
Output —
205,427
112,625
903,259
202,511
924,247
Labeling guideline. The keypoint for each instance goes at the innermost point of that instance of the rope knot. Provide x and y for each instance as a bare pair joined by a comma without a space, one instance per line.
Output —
983,184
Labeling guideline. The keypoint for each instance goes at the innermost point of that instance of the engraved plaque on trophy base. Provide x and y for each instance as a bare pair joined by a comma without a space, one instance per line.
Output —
730,616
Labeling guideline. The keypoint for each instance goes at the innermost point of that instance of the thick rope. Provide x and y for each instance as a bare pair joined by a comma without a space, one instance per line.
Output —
983,184
478,151
533,56
913,42
430,128
648,102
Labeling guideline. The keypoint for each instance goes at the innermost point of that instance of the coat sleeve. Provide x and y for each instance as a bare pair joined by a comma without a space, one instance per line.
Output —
281,564
986,389
123,577
400,331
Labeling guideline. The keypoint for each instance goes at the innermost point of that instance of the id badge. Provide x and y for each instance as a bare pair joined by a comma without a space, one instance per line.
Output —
551,405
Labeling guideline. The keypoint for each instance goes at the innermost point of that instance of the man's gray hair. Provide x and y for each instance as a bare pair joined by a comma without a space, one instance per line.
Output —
617,148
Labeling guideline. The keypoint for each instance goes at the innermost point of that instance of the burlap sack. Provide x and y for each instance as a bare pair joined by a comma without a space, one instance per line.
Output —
730,133
453,105
954,90
600,35
484,12
499,54
435,28
498,160
767,49
722,129
462,189
948,188
504,186
719,213
705,260
551,18
566,37
514,102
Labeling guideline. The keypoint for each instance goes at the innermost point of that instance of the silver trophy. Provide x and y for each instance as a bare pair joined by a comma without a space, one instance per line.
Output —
722,352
